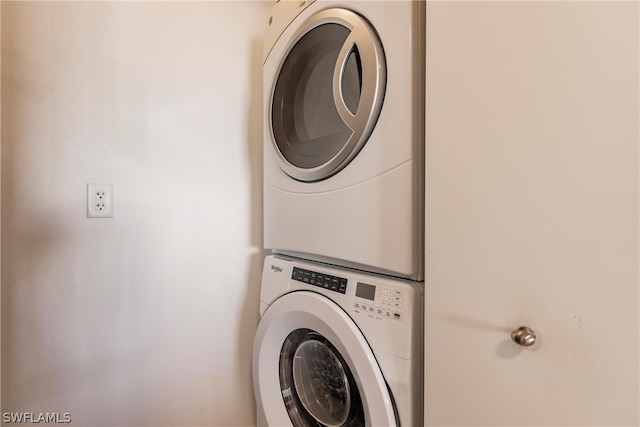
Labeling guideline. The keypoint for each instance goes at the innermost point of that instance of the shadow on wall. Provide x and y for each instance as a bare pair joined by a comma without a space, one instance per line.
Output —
250,316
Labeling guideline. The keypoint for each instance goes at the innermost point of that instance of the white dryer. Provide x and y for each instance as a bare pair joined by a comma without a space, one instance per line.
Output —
344,133
337,348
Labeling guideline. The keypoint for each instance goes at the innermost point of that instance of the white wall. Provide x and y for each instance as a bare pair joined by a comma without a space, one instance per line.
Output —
146,318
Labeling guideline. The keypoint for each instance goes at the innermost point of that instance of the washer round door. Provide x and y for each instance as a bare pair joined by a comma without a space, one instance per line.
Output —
313,367
326,94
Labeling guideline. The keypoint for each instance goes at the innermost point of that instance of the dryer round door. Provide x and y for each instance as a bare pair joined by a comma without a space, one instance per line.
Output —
326,94
313,367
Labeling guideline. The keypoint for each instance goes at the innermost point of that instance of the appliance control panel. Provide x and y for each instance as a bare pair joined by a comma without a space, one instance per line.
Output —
321,280
379,301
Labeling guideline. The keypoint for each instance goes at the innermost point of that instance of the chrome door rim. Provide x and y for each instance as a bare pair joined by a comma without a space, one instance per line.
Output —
361,123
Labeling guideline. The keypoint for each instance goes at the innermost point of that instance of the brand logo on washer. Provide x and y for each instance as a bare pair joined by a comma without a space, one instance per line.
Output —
276,268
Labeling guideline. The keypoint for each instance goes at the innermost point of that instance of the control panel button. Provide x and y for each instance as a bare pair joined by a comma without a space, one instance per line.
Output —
383,303
325,281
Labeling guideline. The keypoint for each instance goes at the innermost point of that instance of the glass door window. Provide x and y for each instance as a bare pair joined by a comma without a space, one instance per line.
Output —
317,385
327,96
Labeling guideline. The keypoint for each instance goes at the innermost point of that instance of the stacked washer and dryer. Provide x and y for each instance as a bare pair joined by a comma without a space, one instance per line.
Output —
340,339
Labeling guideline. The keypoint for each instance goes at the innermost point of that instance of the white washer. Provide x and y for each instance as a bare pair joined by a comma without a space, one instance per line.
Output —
344,133
336,347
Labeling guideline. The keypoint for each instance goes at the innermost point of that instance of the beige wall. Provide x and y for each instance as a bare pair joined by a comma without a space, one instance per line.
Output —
0,207
532,213
146,318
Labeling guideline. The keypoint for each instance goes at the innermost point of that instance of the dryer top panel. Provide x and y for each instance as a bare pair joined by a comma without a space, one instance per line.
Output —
282,14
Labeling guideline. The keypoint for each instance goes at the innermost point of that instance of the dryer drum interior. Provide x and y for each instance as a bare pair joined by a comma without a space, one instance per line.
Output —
327,95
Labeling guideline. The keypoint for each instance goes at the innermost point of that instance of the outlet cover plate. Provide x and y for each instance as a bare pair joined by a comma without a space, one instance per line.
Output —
99,200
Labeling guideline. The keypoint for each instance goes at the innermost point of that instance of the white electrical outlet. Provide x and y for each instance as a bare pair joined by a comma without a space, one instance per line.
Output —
99,200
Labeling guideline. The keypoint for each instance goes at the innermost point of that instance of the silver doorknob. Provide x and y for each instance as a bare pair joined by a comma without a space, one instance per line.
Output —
524,336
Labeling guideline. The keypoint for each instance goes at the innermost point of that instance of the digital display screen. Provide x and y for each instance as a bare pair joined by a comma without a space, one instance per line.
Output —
366,291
